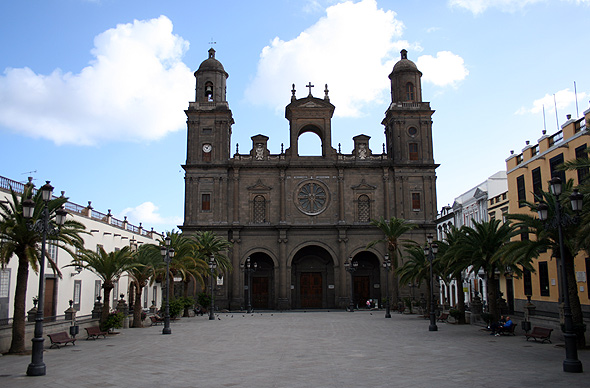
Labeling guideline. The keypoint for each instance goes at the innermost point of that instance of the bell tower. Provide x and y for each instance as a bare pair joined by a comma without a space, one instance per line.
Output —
408,120
209,118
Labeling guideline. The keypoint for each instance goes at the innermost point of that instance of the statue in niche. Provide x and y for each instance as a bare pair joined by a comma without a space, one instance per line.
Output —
259,151
362,151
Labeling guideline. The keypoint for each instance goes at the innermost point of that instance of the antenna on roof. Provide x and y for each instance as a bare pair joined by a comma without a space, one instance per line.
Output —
212,42
544,122
556,118
576,94
29,172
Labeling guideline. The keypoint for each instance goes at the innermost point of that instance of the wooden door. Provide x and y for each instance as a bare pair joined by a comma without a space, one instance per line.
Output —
260,292
310,285
48,305
361,290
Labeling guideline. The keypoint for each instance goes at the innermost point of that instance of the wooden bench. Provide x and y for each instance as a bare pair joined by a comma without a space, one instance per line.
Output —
94,332
507,330
61,338
541,333
443,317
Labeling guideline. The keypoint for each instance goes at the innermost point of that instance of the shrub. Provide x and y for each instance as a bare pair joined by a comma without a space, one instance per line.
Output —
204,300
113,321
455,314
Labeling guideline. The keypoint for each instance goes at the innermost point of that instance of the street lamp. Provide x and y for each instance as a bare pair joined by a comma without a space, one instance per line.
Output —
351,266
248,269
571,362
387,267
167,254
430,250
212,267
42,225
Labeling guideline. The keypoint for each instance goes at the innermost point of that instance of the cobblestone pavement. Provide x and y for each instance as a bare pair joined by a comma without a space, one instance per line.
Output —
301,349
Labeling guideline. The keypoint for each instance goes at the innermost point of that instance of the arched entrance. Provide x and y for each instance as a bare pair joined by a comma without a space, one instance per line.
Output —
366,280
312,279
262,287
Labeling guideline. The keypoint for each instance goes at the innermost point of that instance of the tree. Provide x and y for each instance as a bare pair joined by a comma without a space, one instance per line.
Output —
416,268
18,239
393,229
482,247
148,262
546,238
107,266
453,265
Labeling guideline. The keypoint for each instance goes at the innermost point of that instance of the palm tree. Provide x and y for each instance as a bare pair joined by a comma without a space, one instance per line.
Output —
18,239
393,229
107,266
547,239
416,268
148,261
209,244
482,246
453,266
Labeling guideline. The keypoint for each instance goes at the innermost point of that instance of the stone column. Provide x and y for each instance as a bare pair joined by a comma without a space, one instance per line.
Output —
284,285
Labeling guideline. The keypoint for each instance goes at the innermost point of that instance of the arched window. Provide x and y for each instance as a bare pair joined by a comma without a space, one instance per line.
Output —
410,91
209,91
259,209
364,208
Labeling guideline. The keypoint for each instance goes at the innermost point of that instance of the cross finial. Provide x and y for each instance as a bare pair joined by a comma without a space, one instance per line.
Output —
293,93
309,85
326,97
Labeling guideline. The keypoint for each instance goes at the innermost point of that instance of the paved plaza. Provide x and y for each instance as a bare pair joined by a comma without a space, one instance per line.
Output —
301,349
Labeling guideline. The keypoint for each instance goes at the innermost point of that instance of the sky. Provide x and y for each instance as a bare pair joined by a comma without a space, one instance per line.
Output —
93,92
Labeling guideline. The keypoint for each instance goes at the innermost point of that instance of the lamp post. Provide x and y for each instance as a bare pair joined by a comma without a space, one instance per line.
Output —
248,268
387,267
167,254
571,362
212,267
42,225
430,251
351,266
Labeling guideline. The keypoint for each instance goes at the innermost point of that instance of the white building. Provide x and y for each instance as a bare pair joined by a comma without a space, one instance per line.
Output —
81,287
474,205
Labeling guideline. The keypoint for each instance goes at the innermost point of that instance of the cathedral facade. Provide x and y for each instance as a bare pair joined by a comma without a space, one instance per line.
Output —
300,218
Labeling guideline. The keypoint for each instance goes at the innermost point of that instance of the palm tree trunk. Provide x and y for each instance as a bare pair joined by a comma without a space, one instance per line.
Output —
20,294
576,307
185,295
492,297
460,299
106,307
137,322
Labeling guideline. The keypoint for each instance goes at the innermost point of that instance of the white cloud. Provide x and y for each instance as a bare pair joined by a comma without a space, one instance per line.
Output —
352,49
564,99
446,69
135,89
147,214
479,6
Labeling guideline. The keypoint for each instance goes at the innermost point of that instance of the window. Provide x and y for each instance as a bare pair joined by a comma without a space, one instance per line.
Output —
503,196
364,208
527,282
77,292
413,147
521,190
4,282
259,209
98,248
416,206
554,162
155,296
537,182
409,91
582,154
146,290
544,278
52,250
206,202
115,293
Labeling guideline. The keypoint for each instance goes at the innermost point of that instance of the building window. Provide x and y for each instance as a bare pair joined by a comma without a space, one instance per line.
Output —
115,293
146,291
416,206
4,282
521,190
52,250
206,202
99,247
409,91
537,182
413,147
544,278
259,209
554,162
77,293
155,296
527,282
582,154
364,208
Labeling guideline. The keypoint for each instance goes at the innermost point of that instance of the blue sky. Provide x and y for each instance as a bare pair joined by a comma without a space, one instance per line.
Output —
92,93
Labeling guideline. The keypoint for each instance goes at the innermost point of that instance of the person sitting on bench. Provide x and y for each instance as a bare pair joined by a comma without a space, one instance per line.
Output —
499,327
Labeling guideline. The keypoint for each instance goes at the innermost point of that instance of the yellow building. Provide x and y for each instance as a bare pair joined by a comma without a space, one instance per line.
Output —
529,172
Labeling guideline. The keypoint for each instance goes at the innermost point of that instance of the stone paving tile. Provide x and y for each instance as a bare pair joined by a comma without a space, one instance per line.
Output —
297,349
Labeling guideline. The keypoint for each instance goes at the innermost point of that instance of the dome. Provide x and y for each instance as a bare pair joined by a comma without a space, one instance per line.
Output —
404,64
211,64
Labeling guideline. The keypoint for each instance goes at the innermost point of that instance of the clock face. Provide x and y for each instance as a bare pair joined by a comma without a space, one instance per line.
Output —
207,148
